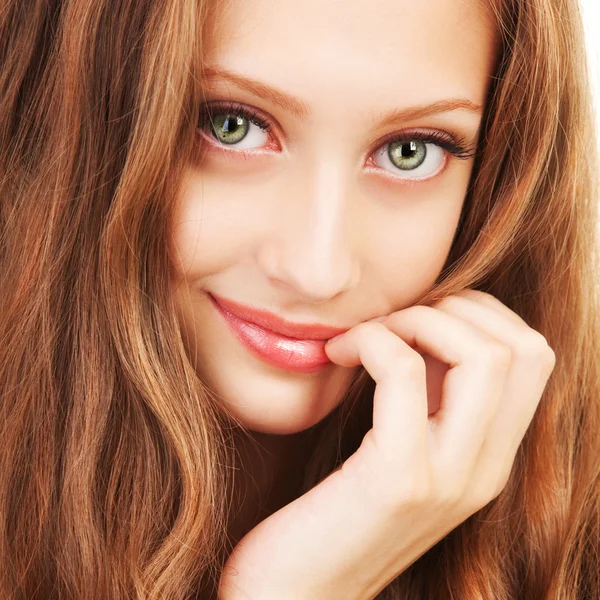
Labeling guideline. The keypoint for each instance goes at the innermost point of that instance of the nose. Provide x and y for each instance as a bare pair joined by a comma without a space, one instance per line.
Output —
310,249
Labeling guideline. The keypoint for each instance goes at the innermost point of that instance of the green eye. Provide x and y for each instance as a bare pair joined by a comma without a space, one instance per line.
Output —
407,155
412,158
229,128
234,126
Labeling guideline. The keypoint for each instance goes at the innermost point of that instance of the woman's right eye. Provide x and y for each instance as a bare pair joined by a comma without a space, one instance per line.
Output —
239,129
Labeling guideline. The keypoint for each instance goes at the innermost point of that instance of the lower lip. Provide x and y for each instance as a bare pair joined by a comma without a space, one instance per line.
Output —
304,356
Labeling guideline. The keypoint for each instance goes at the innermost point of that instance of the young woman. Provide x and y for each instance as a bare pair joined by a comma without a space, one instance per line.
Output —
195,198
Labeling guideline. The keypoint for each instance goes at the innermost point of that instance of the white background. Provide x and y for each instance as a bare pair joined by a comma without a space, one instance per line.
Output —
591,19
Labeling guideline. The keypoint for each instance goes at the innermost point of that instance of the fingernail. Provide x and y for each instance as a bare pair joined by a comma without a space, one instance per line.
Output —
331,340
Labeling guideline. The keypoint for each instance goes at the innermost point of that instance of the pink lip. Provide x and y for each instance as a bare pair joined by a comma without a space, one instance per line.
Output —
270,321
256,330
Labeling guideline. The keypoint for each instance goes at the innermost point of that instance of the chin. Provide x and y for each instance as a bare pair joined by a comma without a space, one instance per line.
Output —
275,401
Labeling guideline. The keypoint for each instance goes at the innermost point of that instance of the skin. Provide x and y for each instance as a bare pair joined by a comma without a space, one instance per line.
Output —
302,222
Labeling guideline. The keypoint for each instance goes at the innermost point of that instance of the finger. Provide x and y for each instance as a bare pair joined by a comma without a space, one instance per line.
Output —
526,379
400,425
492,302
472,386
528,373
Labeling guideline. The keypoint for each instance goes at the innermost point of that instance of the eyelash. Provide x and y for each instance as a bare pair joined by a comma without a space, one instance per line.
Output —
456,146
238,109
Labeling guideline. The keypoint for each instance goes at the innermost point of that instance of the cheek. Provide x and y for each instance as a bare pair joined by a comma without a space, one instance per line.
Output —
409,252
410,266
409,236
210,227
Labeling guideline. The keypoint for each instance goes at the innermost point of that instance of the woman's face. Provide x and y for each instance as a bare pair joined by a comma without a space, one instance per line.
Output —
323,218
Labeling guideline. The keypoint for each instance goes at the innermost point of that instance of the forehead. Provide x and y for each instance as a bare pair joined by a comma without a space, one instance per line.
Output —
393,50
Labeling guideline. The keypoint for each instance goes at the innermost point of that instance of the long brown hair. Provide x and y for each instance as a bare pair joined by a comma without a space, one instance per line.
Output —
115,457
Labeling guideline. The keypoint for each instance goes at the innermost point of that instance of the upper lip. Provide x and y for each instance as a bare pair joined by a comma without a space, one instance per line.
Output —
272,322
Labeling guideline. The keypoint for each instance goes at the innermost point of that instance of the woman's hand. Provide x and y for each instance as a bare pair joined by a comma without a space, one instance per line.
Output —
415,476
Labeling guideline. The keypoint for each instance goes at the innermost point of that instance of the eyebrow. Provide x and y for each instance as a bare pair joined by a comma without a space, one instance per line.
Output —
301,110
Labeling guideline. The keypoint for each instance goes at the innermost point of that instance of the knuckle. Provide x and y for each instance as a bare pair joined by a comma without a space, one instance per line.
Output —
449,302
366,327
502,354
418,310
551,358
475,294
413,366
496,354
534,347
534,343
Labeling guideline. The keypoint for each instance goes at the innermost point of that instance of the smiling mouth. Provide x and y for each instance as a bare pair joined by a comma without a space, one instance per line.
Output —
276,349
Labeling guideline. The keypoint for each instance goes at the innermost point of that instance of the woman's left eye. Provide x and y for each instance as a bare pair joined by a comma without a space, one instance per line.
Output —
411,155
412,158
